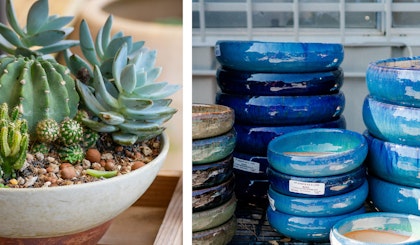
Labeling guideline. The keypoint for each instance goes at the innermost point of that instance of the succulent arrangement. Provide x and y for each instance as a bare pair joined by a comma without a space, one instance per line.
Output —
66,108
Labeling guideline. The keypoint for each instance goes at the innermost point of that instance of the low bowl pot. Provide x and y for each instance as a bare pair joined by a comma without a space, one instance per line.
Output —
210,120
213,149
206,175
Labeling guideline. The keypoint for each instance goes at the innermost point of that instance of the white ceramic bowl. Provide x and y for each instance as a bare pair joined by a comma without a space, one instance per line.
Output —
57,211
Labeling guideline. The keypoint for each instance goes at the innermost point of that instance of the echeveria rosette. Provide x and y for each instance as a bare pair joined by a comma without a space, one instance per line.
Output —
132,106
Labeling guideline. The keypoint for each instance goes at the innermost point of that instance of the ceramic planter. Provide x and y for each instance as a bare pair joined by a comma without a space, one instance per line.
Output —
258,83
278,56
307,229
318,207
395,80
213,149
316,186
211,197
390,122
75,208
377,228
254,139
211,120
283,110
398,198
222,234
317,152
206,175
393,162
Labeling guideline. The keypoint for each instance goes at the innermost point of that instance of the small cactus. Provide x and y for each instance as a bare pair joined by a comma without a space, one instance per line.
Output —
14,141
72,153
71,132
40,147
90,138
47,130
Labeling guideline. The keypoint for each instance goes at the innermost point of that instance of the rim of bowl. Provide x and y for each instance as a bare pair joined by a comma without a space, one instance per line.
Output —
279,43
161,157
382,63
224,110
340,223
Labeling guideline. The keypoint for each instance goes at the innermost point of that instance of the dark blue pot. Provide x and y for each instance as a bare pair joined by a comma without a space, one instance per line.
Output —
307,229
396,163
396,80
206,175
279,56
316,186
211,197
252,83
254,139
392,123
283,110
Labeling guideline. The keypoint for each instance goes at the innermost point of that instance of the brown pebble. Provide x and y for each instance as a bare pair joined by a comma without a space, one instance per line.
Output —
68,172
109,165
93,155
119,148
65,165
137,164
102,163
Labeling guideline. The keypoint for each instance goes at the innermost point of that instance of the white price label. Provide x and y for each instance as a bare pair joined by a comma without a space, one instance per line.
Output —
308,188
246,165
217,50
271,201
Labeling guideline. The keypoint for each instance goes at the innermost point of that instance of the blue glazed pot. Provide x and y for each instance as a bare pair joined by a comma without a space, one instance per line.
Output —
393,123
316,186
405,225
206,175
307,229
317,152
254,139
279,56
390,197
319,207
257,83
249,163
395,80
213,149
211,197
393,162
283,110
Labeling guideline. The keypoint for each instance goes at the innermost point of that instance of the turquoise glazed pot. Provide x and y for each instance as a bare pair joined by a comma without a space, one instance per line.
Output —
221,234
279,56
258,83
395,80
390,197
390,122
213,149
306,229
254,139
396,163
206,175
283,110
318,206
317,152
377,228
316,186
211,197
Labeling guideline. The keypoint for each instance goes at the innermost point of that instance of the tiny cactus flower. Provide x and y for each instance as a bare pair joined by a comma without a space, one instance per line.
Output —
71,153
71,132
47,130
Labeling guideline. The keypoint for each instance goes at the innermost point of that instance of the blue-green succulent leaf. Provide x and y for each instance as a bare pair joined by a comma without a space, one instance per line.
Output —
12,19
120,62
106,32
44,38
100,88
124,139
111,117
58,47
87,45
10,35
115,45
75,63
98,45
89,99
56,23
128,78
99,126
134,103
37,16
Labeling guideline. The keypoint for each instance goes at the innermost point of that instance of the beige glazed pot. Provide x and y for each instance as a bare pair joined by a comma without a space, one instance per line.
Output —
87,209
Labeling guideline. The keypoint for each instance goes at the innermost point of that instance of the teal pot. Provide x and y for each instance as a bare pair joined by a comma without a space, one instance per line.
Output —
213,149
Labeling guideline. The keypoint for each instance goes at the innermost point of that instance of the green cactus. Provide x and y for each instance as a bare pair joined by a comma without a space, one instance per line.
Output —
40,147
90,138
71,153
14,141
47,130
29,77
71,132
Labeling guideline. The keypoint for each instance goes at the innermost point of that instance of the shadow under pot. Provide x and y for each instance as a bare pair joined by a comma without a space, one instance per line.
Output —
207,175
390,122
211,197
283,110
213,149
257,83
254,139
279,56
316,186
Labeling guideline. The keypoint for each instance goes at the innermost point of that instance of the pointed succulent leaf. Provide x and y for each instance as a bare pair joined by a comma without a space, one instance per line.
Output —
111,117
89,99
128,78
149,135
99,126
106,67
124,139
44,38
134,103
117,35
6,48
149,114
106,32
148,89
169,90
56,23
120,62
75,63
25,52
146,60
12,19
10,35
100,88
115,45
136,47
153,74
87,45
139,127
58,47
98,45
141,79
37,16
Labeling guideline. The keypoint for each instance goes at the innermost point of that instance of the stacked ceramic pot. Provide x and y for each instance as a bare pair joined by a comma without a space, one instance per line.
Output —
317,177
213,199
391,113
275,88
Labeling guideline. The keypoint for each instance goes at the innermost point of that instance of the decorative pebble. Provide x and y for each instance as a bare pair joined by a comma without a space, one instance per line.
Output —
93,155
137,165
68,172
146,150
107,156
109,165
13,181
